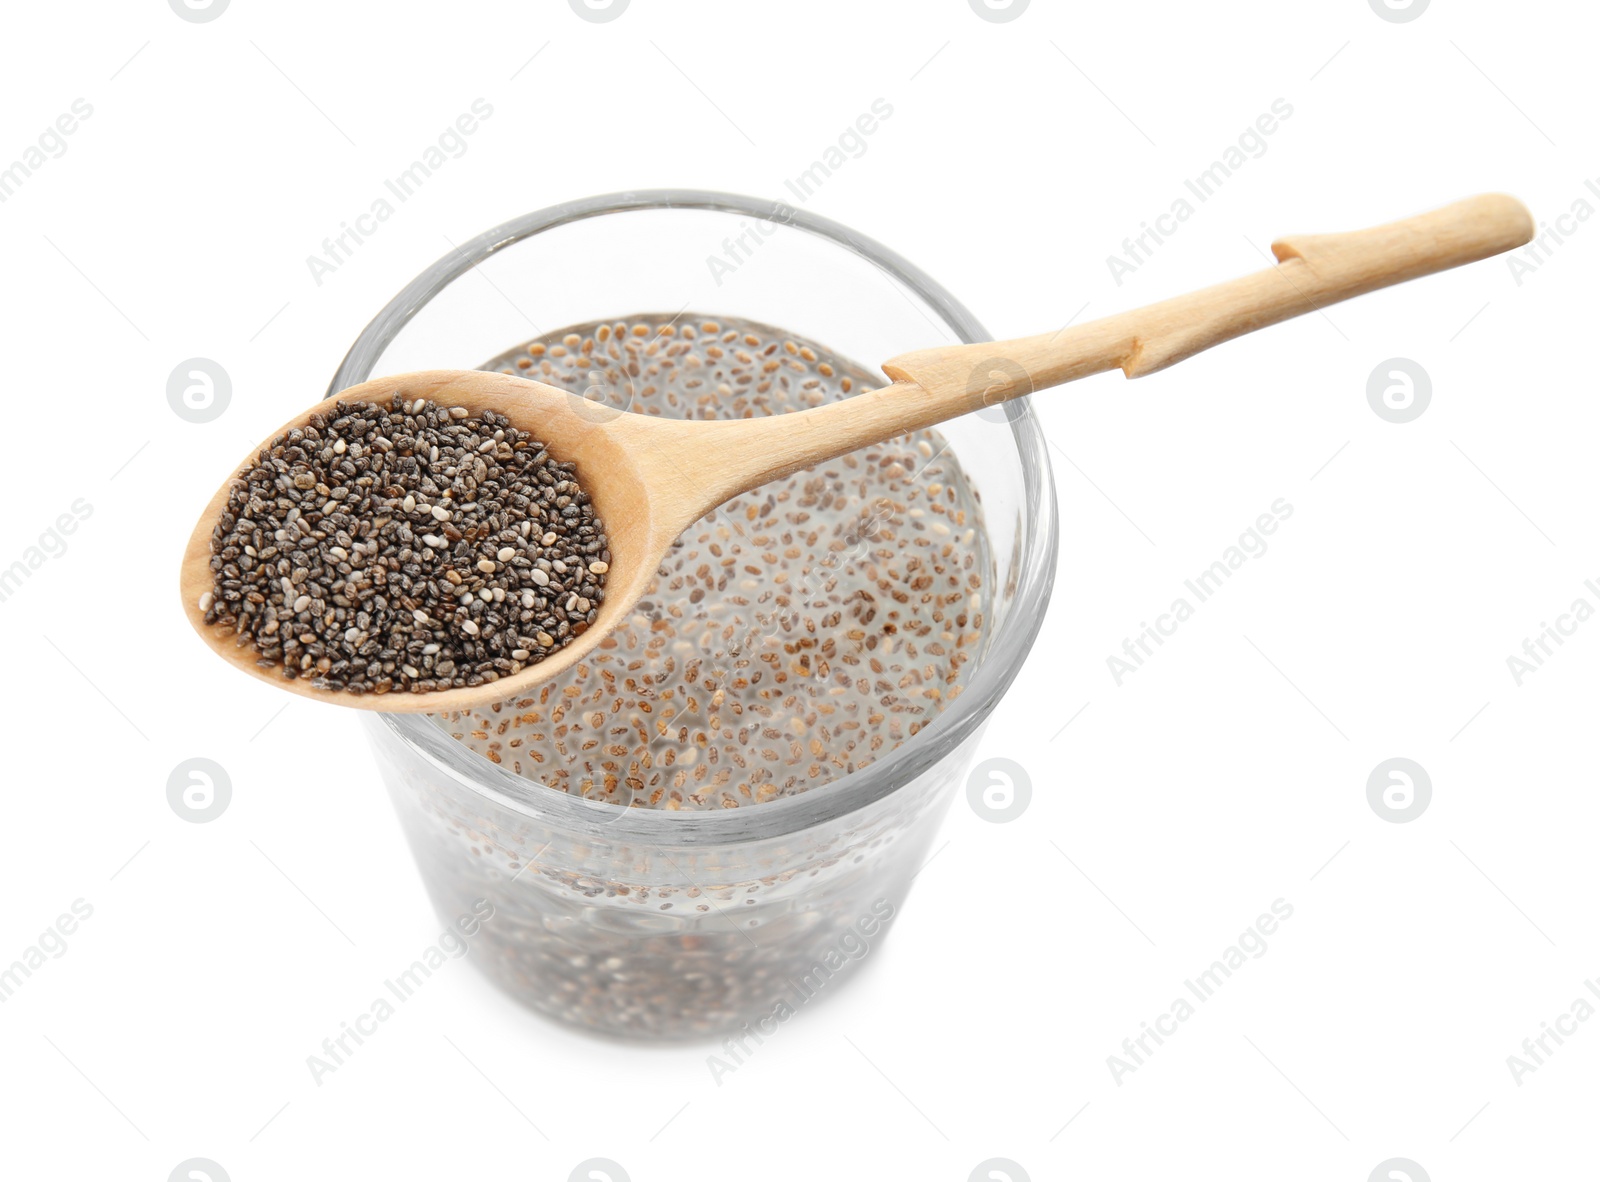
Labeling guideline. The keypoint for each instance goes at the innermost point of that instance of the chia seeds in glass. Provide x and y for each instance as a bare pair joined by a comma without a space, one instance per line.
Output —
791,636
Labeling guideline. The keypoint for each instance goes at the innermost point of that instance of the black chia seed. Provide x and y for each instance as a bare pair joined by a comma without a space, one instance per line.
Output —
406,548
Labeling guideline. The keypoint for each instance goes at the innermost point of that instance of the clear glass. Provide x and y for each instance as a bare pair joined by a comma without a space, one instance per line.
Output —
665,925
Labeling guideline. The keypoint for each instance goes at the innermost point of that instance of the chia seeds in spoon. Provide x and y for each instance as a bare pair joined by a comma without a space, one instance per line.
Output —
409,548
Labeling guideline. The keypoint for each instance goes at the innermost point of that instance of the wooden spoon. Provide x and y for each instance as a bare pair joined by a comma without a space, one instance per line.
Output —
651,478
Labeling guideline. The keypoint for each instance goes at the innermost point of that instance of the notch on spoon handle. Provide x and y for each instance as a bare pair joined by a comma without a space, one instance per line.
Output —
1313,271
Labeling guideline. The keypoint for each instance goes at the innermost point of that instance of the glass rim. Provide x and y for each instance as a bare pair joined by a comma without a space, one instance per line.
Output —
1006,650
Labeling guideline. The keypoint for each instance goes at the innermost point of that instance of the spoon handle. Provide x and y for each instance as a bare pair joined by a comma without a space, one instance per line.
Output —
932,385
1313,271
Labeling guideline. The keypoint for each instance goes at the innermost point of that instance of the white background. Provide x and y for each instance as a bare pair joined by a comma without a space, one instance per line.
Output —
1225,774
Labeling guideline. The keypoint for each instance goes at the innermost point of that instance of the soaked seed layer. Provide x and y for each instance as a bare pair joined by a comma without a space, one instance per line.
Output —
792,636
406,548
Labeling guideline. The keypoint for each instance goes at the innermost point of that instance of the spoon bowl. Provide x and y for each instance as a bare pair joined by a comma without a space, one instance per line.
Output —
650,478
639,490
